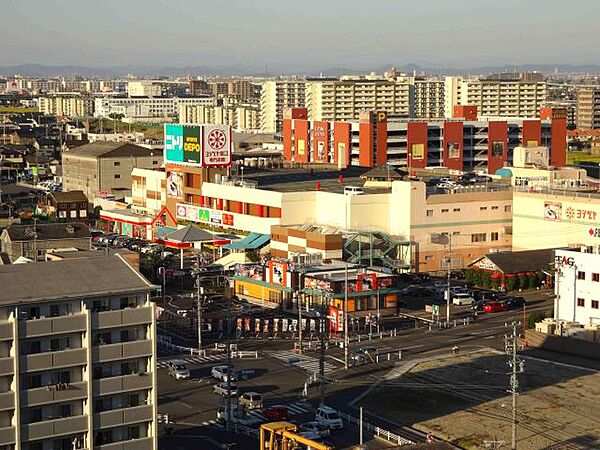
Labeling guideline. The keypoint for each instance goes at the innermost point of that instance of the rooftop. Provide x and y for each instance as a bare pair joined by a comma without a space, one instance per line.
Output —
75,278
48,231
104,149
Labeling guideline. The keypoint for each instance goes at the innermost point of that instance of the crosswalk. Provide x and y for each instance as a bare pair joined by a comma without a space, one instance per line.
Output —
192,359
297,408
213,423
308,363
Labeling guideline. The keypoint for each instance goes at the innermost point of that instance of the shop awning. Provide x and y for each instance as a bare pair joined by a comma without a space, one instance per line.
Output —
250,242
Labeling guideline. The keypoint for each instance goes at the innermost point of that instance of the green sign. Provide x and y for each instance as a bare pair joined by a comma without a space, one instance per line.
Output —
203,215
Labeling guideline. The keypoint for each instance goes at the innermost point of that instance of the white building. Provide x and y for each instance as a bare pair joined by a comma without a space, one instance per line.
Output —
275,96
496,97
144,88
146,109
577,286
344,99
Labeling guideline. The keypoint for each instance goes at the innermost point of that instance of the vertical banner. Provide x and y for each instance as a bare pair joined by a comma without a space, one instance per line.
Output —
257,325
247,324
275,325
284,325
239,324
266,326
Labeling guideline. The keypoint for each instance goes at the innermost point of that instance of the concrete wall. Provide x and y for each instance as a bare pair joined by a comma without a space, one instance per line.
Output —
560,344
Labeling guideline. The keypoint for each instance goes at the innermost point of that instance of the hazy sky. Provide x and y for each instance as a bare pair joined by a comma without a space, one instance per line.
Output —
304,33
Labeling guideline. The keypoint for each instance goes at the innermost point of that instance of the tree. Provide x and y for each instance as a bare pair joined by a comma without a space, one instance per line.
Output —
534,317
511,283
486,280
495,284
469,275
523,282
533,281
477,277
116,116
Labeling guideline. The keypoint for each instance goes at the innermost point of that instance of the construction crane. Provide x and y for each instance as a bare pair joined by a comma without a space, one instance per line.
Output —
284,436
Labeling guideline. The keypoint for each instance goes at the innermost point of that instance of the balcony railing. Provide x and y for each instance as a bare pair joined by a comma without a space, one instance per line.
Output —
111,352
114,385
54,393
56,427
123,416
50,360
52,325
122,317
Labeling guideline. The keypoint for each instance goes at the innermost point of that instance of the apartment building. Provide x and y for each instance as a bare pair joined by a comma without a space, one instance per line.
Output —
102,168
146,109
69,105
429,98
144,88
496,97
148,191
77,356
275,96
345,99
588,109
241,117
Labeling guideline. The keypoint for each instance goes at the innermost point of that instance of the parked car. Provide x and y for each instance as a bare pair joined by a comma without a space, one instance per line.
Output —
251,400
222,373
317,428
514,302
480,294
462,299
329,417
479,304
492,307
221,389
276,413
178,370
238,415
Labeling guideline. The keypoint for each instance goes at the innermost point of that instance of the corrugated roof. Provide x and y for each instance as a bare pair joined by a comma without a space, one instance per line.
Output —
250,242
523,261
45,231
75,278
190,234
69,197
104,149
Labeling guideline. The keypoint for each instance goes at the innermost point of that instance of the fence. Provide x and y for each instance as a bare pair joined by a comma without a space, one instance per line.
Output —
376,431
165,342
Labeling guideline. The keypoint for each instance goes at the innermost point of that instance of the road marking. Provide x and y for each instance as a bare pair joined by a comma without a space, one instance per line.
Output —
186,405
336,359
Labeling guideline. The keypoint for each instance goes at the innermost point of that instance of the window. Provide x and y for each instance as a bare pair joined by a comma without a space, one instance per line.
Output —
117,176
117,163
596,277
456,210
581,302
428,258
580,275
507,208
595,304
483,208
494,208
478,237
35,415
430,213
494,236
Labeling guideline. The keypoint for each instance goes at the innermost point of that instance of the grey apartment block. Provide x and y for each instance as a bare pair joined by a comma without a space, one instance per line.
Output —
106,167
77,356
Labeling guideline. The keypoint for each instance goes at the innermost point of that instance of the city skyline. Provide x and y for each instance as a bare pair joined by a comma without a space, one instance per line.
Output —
270,36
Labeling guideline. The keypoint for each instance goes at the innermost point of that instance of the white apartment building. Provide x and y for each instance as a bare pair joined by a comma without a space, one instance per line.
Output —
144,88
239,117
70,105
577,286
496,97
429,98
146,109
275,96
344,99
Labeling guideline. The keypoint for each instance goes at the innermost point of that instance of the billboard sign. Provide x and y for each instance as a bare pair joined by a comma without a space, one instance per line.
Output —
218,146
198,145
197,214
174,183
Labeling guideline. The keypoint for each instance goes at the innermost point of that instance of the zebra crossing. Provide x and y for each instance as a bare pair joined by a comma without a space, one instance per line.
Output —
294,408
213,423
192,359
308,363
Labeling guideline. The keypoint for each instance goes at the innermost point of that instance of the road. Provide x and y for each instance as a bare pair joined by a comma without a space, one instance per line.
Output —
193,406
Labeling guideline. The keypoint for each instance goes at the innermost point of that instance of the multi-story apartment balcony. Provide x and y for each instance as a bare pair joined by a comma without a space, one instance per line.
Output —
53,428
123,416
52,360
54,394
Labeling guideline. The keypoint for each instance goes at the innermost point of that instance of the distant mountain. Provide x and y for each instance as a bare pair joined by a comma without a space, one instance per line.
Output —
40,70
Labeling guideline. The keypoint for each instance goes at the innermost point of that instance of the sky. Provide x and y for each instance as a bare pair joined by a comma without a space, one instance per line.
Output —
299,34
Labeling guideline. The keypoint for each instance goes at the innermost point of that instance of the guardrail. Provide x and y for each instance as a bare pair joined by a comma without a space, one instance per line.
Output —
165,342
241,354
376,431
238,428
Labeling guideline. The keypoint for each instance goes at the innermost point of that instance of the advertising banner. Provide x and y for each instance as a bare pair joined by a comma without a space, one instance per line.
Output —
552,211
192,144
252,271
278,272
366,282
173,142
333,319
174,183
217,146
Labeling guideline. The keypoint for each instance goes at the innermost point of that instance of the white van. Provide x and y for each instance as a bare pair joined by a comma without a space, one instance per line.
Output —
251,400
353,190
329,417
462,299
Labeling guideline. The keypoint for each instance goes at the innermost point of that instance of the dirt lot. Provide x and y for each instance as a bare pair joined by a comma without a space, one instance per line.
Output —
464,399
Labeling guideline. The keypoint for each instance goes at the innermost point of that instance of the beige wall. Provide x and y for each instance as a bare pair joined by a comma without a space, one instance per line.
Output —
531,230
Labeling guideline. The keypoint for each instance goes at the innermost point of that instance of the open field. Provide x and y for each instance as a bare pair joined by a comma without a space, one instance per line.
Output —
16,110
464,399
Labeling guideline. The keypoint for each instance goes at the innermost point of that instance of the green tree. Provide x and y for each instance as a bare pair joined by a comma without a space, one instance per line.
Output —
510,283
469,275
523,282
495,284
534,317
486,280
533,281
477,277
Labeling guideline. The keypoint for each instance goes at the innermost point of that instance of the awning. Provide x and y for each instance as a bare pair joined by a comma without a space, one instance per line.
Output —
250,242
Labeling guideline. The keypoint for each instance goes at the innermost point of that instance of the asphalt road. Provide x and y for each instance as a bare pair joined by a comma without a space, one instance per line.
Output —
193,405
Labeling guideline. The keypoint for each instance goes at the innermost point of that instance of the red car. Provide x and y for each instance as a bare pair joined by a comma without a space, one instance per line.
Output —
276,413
492,307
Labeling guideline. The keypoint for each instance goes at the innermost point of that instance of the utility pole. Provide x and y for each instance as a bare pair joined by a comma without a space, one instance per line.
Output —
448,280
229,368
346,339
299,304
322,354
199,306
517,365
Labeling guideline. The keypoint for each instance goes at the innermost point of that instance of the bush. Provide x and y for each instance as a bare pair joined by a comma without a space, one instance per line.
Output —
495,284
486,280
469,275
534,317
511,283
523,282
533,281
477,274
